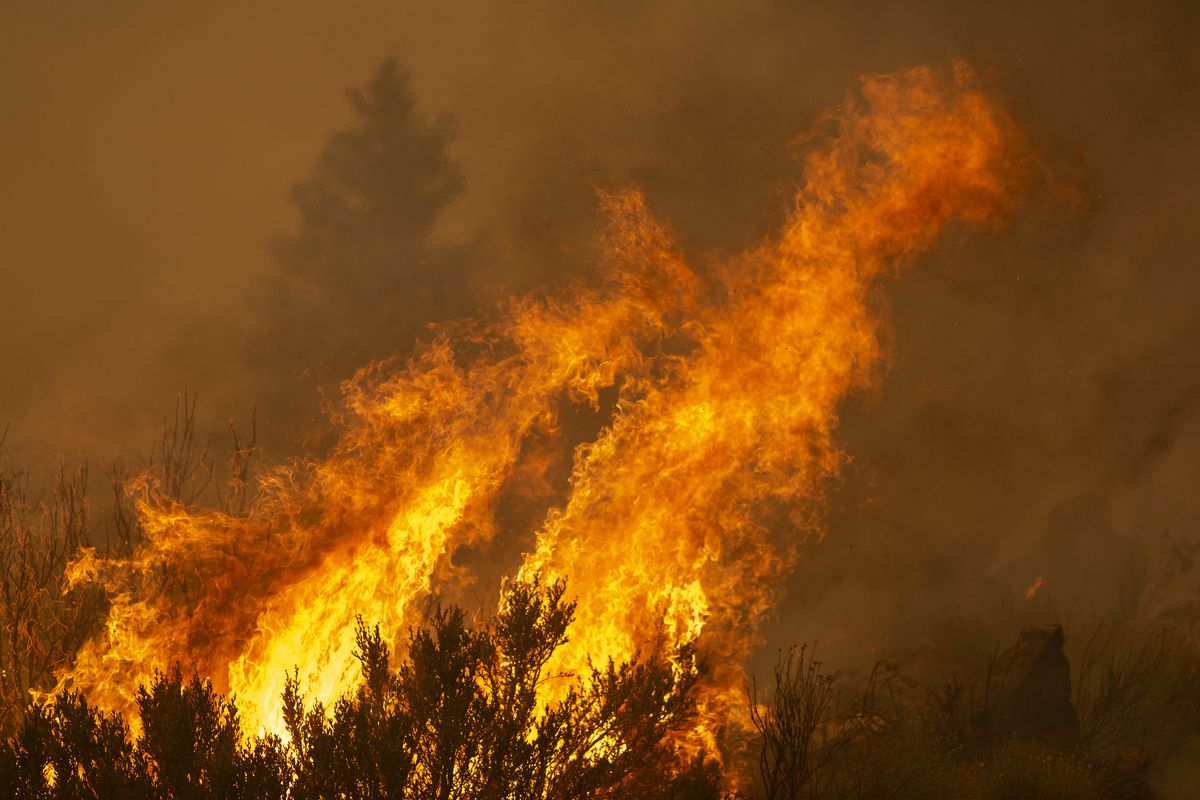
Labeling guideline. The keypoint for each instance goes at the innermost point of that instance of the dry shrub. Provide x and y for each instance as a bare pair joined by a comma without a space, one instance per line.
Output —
1137,694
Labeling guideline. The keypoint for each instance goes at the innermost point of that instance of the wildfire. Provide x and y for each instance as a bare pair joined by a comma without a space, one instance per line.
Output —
682,514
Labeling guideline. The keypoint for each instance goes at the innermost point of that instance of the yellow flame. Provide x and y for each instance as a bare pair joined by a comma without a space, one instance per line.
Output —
682,513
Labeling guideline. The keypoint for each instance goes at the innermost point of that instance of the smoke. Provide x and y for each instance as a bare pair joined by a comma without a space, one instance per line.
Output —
1042,394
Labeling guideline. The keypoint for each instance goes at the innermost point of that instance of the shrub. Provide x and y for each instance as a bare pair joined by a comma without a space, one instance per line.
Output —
459,717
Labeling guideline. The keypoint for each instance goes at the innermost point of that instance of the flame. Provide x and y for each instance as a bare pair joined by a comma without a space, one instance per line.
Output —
682,515
1035,587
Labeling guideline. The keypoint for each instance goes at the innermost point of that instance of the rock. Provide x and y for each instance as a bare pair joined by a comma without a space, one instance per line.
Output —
1027,691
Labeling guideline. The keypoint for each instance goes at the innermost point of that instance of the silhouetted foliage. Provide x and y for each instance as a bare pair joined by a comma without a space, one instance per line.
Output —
474,711
43,620
461,717
1139,694
361,277
191,748
898,738
793,729
458,718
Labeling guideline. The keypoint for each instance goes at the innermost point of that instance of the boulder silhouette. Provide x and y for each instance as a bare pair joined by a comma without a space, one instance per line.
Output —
1026,693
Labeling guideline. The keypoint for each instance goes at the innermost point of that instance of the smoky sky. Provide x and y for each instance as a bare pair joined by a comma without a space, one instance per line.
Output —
1038,418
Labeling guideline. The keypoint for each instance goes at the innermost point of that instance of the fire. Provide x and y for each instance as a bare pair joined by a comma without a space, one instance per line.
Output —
682,515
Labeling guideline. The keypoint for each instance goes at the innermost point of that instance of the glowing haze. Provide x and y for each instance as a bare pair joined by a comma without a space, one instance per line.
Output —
720,392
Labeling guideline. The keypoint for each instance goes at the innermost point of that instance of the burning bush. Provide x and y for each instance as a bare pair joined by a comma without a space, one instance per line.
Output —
459,717
463,715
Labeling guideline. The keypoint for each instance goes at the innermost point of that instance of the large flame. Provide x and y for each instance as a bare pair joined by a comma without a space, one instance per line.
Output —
683,512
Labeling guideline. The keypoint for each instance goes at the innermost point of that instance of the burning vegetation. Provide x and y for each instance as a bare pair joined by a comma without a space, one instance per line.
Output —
681,512
675,428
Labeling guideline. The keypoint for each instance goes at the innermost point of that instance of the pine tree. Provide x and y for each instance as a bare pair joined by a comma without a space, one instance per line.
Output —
361,278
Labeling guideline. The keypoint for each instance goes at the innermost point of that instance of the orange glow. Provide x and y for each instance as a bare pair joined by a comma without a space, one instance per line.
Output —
683,514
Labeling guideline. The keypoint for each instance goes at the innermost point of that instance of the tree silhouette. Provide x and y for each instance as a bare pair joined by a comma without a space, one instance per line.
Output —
361,277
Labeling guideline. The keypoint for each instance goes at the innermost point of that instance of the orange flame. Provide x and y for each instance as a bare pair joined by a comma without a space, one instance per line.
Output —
682,514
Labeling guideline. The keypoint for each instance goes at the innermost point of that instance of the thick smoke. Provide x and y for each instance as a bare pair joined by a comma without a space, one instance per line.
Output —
1039,418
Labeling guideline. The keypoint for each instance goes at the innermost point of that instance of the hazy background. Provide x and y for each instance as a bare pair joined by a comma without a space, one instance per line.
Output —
1039,418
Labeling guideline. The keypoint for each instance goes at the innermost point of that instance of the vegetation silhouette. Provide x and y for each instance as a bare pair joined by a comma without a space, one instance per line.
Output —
459,717
362,276
465,714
